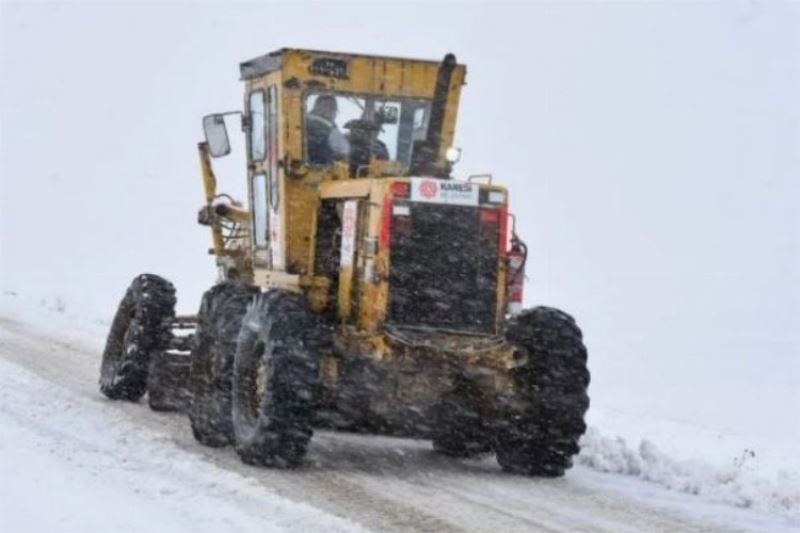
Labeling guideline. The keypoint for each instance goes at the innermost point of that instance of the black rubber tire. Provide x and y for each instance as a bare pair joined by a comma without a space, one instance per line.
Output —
167,381
540,427
284,339
141,328
459,430
218,323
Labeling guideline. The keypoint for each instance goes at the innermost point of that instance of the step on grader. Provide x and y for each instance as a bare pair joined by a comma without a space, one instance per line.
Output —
360,288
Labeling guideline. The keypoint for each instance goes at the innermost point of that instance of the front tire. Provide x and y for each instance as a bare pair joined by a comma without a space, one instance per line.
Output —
276,379
140,329
541,424
218,323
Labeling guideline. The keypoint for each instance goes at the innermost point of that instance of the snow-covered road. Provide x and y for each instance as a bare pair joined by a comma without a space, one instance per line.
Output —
70,460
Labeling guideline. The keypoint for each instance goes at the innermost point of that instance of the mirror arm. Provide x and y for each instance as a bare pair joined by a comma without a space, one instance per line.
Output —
210,189
209,179
229,113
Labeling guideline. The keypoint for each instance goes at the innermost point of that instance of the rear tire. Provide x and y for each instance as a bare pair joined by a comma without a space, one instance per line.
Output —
540,427
276,379
459,431
140,329
218,323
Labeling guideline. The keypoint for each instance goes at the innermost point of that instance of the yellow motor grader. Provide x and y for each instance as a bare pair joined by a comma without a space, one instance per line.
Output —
360,287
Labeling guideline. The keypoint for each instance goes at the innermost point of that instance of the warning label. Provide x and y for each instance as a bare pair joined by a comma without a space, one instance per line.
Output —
275,244
437,191
349,214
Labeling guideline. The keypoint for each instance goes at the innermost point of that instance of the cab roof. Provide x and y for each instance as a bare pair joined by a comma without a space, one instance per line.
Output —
273,61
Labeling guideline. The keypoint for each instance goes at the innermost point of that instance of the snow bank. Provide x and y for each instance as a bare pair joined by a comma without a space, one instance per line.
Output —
740,484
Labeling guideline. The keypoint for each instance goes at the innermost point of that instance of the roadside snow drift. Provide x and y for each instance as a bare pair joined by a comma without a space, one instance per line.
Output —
736,485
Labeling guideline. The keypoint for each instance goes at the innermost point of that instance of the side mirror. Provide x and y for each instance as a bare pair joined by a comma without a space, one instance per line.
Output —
216,135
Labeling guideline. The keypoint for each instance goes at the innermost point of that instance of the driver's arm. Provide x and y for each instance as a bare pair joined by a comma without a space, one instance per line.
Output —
338,144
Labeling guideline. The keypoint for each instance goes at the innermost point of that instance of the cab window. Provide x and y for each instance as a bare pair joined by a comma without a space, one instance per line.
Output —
258,126
356,128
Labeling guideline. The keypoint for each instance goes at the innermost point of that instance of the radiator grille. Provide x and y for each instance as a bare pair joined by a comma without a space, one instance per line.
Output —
444,262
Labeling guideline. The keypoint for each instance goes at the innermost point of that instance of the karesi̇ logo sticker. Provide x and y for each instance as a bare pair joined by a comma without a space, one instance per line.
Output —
428,188
435,191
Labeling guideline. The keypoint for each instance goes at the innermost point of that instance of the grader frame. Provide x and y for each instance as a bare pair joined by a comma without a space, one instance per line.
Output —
370,292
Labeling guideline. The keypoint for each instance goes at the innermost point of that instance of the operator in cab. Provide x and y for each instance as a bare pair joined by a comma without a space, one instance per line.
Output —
324,141
364,142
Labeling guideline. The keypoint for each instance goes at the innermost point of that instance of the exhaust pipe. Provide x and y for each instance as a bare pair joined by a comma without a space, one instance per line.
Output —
426,152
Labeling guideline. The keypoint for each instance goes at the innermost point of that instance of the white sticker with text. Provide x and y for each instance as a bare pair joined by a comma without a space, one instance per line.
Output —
275,240
437,191
349,219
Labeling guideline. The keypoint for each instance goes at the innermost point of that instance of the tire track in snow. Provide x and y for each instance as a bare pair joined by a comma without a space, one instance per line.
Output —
379,482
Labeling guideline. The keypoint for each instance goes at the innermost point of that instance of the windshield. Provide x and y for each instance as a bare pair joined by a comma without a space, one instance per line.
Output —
357,128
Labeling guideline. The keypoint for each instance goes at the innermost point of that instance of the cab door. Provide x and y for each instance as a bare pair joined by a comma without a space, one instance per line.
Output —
264,183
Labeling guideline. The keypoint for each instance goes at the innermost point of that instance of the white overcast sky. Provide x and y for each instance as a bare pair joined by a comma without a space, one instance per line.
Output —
652,150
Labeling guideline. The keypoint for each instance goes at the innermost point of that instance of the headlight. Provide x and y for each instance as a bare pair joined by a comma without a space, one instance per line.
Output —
452,155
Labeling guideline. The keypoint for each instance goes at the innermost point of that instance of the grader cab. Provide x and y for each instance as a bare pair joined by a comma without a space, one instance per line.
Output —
361,287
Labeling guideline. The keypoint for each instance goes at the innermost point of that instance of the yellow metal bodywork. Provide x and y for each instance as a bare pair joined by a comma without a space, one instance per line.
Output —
233,251
210,190
372,300
363,287
391,77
